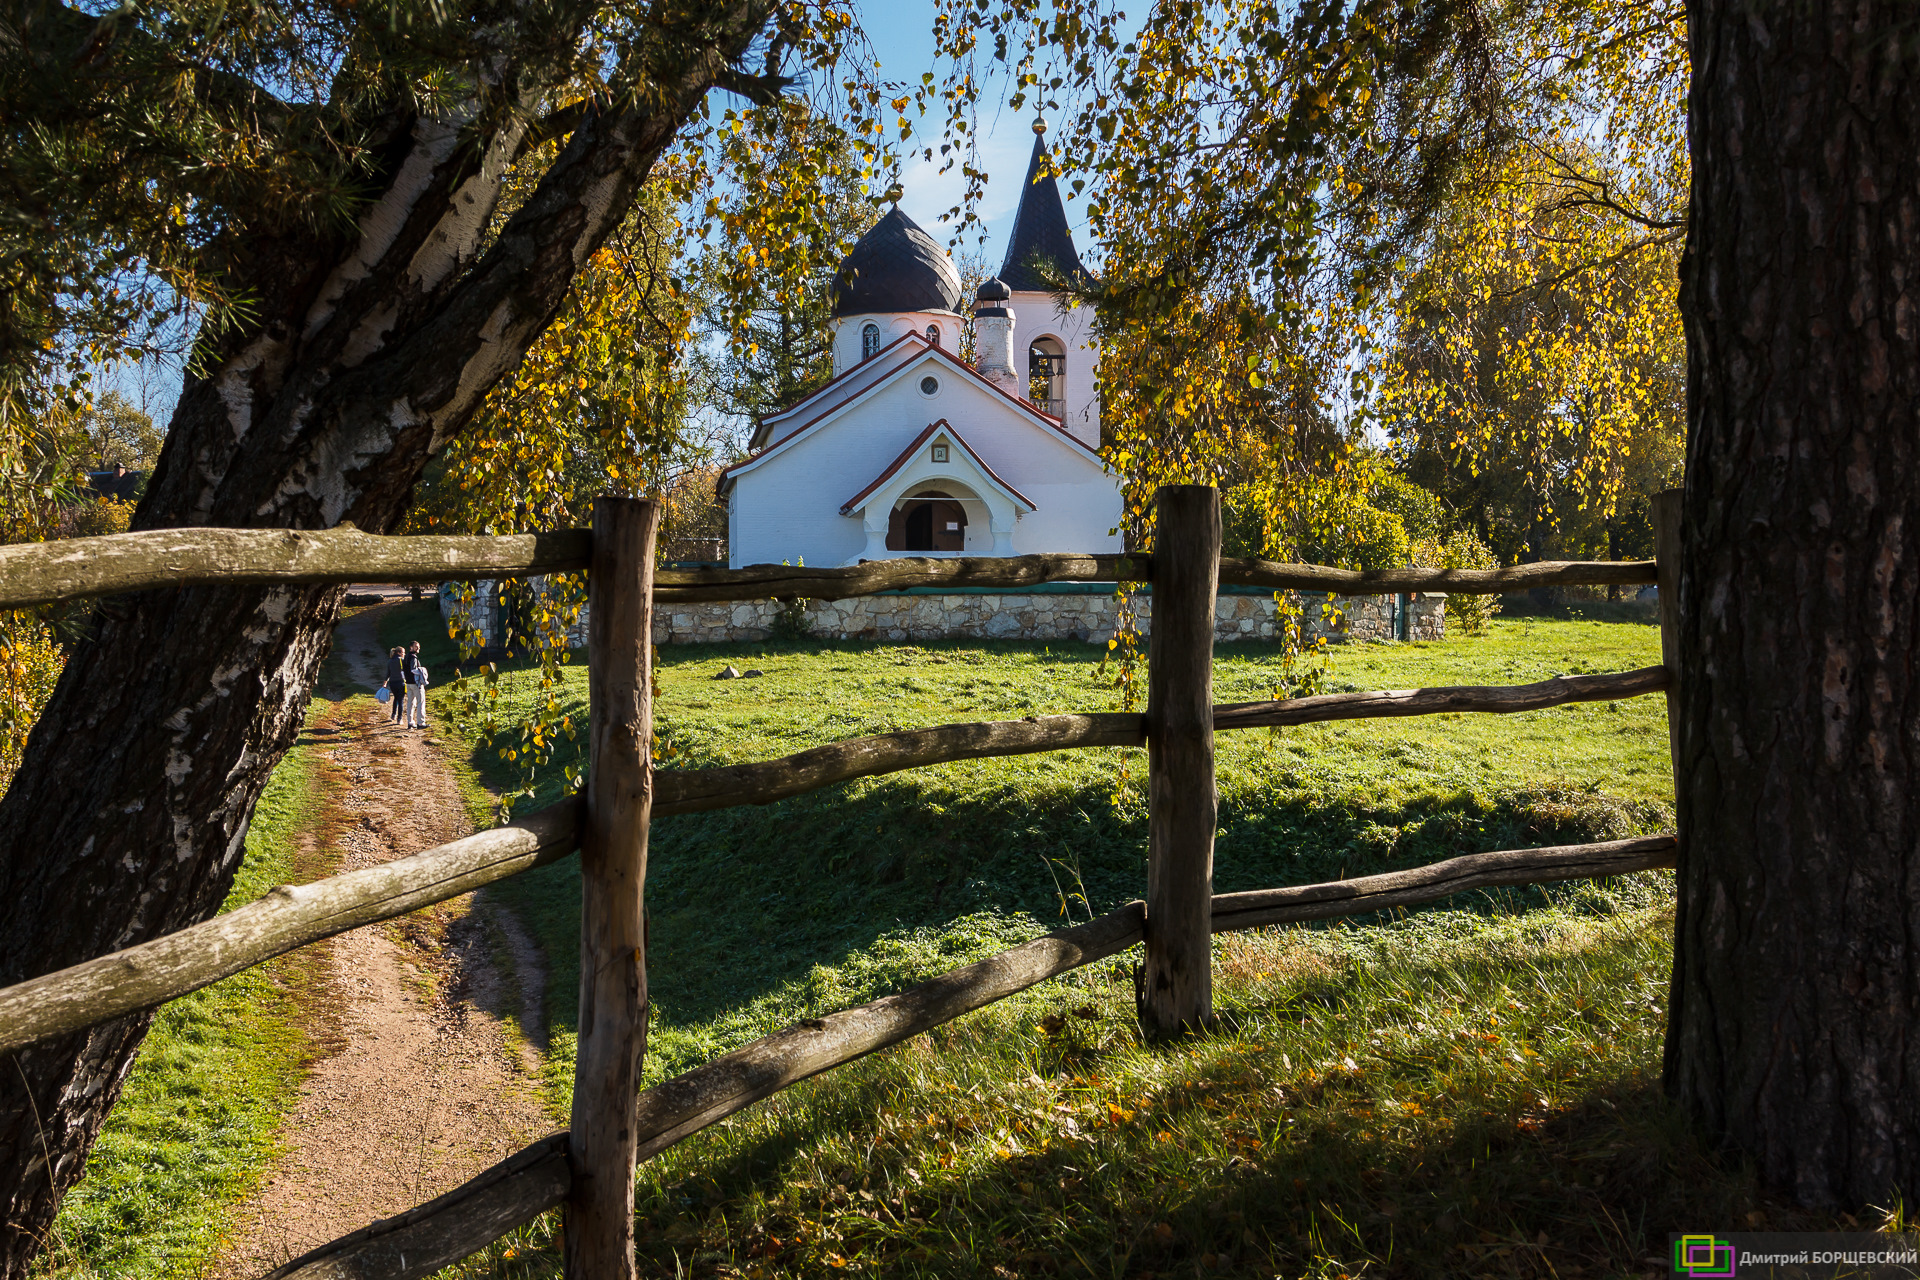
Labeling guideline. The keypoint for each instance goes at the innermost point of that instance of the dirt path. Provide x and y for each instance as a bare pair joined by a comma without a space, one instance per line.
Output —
426,1083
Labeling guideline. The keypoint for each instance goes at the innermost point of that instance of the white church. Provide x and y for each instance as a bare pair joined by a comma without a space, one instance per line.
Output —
909,451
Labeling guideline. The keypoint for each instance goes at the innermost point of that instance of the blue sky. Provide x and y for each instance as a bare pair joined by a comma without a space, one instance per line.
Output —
902,36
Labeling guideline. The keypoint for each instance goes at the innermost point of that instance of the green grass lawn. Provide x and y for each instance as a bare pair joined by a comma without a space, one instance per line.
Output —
1469,1089
196,1125
761,915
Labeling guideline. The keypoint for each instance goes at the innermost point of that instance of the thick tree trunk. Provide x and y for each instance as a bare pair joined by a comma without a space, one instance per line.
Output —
128,816
1794,1027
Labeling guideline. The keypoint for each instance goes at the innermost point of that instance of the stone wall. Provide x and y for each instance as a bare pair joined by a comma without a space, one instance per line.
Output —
1062,611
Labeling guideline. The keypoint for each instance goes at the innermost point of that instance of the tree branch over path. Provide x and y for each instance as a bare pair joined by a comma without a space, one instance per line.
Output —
371,339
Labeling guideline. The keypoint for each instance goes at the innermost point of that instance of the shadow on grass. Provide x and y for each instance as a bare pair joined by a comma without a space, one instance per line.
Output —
747,904
1236,1162
760,915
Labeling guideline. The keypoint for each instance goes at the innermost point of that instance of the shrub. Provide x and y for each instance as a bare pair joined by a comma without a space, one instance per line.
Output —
790,620
92,519
1470,614
1420,512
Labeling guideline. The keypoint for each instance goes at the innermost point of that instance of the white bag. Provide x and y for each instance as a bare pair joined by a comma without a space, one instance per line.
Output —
383,693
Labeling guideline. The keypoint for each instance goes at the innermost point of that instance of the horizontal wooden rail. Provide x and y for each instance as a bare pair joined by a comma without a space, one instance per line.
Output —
439,1233
1393,889
1369,582
286,917
761,581
779,581
1491,699
73,568
105,988
470,1217
691,790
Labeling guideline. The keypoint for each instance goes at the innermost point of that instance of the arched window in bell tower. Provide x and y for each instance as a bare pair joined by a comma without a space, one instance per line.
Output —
869,341
933,335
1047,376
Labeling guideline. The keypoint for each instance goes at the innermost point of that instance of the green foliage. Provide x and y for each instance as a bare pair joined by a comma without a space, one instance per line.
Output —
1316,523
118,434
30,664
1469,614
196,1125
1421,514
767,301
90,518
790,621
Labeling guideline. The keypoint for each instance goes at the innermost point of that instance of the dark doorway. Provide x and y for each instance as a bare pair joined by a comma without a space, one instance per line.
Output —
931,522
920,527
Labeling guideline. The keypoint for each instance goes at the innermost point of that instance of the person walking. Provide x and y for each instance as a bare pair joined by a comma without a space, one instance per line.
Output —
416,713
396,684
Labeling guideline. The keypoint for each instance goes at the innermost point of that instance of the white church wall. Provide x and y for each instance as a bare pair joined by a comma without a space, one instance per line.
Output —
1040,315
788,506
1066,514
847,330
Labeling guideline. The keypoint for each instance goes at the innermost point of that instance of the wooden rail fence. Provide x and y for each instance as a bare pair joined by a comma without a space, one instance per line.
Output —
589,1170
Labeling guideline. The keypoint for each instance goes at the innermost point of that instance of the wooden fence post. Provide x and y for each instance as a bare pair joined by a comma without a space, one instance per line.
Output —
604,1134
1176,984
1666,551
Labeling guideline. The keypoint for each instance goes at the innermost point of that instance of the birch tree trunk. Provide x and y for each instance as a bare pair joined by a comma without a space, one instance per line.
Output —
1794,1026
373,346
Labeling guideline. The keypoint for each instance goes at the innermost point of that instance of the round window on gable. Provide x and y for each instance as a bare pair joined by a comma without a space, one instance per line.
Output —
929,386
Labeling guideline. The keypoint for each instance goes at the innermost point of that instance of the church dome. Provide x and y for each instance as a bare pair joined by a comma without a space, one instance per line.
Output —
896,267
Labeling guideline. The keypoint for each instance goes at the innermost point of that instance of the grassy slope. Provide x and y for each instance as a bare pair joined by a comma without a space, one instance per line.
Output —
1469,1089
195,1127
839,895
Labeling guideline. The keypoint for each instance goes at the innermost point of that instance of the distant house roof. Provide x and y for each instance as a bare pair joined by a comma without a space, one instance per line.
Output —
125,487
1041,240
895,267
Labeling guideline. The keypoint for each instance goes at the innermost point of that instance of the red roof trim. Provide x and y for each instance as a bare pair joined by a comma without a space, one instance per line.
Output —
1058,424
1043,418
828,385
933,428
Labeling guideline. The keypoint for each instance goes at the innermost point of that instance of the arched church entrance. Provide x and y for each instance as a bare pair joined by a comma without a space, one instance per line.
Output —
930,520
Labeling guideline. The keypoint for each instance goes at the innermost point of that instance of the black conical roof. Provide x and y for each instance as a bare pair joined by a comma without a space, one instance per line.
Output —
895,267
1040,234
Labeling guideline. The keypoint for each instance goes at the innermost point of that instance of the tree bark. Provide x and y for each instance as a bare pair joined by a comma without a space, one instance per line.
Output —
371,348
1794,1020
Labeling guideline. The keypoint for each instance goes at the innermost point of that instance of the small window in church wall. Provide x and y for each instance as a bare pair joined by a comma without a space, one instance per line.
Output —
933,334
940,453
869,341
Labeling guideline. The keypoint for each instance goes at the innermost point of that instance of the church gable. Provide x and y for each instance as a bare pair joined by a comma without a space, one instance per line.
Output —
915,384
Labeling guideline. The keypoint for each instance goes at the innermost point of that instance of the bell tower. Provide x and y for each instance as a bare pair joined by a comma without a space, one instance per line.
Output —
1055,366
